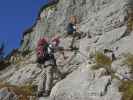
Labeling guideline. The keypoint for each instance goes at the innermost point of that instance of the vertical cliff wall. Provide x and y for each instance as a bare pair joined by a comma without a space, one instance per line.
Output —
103,19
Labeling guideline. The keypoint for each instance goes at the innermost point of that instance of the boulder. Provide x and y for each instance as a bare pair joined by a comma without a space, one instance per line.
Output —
85,84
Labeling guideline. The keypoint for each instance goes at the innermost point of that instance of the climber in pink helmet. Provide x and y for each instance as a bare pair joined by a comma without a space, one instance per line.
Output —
45,53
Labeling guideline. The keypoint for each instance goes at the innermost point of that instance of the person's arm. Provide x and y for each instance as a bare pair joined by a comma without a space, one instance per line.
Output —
61,50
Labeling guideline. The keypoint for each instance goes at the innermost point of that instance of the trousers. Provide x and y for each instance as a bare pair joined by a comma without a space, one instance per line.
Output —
46,81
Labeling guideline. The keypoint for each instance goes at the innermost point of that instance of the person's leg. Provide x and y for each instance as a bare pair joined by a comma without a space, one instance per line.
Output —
73,40
41,85
49,80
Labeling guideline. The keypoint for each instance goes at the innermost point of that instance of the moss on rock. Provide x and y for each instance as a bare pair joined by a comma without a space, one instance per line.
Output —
127,89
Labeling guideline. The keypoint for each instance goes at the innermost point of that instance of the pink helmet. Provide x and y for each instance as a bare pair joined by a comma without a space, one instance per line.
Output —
56,40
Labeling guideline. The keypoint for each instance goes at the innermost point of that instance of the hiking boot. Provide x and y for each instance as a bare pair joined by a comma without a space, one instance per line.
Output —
46,94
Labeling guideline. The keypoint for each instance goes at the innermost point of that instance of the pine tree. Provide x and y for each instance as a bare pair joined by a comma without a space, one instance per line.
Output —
2,51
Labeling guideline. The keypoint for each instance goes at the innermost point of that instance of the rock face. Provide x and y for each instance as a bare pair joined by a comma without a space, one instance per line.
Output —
102,18
6,95
85,84
104,22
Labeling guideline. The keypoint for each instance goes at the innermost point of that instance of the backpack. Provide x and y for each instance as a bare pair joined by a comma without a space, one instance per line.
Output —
42,47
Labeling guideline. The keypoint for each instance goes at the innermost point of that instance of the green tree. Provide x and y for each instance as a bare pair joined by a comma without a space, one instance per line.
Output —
2,47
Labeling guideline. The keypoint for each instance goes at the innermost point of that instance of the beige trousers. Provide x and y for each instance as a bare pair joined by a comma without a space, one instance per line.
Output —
46,81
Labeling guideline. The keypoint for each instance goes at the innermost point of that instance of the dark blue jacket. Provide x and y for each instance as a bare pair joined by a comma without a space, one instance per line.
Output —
71,29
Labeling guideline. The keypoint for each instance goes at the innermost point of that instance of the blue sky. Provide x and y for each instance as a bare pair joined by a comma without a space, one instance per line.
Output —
15,17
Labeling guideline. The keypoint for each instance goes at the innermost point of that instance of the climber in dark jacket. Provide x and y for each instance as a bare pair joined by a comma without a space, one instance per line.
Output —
73,30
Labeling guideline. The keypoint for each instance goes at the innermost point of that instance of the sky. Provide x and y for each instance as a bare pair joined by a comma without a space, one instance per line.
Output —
15,17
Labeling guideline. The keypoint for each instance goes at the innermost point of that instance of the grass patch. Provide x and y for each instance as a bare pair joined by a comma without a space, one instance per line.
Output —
130,20
4,64
96,67
26,52
23,91
47,6
127,89
53,7
102,60
113,76
129,60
